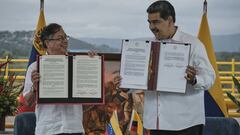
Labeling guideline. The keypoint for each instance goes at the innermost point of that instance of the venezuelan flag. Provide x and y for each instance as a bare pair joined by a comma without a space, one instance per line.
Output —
215,105
113,127
109,130
37,48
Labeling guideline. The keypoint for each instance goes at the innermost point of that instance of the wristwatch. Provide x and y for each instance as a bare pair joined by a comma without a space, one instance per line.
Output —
32,90
194,81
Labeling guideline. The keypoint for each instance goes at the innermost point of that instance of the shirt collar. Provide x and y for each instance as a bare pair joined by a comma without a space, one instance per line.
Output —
176,36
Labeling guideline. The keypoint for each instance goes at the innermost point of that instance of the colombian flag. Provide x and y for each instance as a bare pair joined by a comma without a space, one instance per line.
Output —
37,48
214,101
113,127
136,124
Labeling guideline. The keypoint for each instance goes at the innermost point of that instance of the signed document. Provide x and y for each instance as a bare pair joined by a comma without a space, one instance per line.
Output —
155,65
134,64
70,79
173,61
87,76
54,76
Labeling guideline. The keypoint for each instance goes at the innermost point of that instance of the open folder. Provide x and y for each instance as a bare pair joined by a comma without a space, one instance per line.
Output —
70,79
153,65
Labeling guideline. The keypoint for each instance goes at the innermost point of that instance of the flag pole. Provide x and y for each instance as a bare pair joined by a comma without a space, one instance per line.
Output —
41,4
205,7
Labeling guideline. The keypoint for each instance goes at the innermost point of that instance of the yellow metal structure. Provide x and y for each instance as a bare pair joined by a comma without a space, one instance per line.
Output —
228,85
9,69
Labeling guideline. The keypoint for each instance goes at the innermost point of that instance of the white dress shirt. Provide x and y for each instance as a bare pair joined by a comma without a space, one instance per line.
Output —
177,111
54,118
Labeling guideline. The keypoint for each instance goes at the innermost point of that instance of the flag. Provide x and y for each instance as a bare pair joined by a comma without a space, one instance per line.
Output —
214,99
37,48
136,123
109,130
113,127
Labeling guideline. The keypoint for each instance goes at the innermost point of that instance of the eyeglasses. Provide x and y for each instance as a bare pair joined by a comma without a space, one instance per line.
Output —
61,39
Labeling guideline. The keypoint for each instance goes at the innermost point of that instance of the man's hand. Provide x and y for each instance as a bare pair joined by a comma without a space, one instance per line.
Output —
30,97
35,77
191,75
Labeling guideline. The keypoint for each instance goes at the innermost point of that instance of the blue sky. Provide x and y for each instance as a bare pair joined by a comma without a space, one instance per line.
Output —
117,18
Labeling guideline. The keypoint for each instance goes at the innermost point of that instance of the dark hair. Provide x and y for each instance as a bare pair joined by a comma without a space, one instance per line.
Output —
165,9
48,31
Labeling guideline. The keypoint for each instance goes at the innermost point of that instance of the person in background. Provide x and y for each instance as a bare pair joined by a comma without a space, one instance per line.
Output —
53,119
167,113
25,120
22,107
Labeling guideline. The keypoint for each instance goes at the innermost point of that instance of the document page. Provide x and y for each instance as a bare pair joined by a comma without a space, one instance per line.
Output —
134,64
53,76
87,76
173,62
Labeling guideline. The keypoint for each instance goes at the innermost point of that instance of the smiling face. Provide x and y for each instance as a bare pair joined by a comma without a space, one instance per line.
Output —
57,43
162,29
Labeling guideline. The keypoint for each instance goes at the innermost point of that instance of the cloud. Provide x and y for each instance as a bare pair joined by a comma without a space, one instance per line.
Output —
116,18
